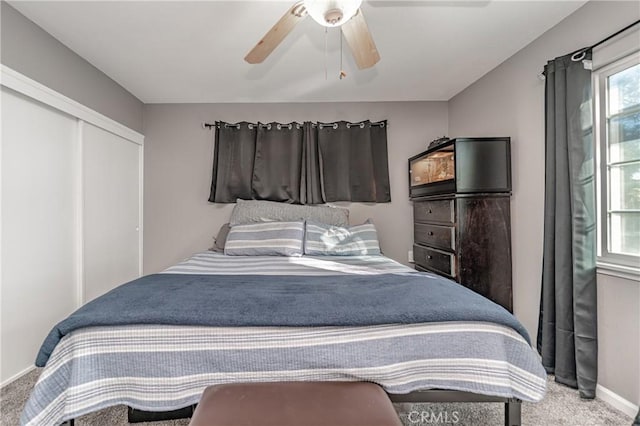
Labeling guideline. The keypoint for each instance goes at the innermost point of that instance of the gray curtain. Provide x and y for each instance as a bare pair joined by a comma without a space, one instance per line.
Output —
567,329
278,166
353,161
302,164
311,185
234,154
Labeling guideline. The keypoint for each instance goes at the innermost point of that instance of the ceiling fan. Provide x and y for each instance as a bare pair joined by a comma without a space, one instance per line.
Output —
345,14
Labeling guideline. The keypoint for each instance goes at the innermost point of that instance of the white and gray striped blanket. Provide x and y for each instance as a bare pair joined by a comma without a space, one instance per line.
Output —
161,368
216,263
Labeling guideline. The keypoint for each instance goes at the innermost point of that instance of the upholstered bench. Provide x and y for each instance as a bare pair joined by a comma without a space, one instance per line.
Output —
294,404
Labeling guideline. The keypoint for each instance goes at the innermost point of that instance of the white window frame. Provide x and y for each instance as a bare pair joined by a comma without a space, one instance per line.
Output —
624,266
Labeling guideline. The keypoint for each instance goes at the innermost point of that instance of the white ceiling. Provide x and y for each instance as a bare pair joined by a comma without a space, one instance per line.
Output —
179,51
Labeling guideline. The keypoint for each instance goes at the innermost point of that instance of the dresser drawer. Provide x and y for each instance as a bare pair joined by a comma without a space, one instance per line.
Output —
435,260
438,236
420,268
433,211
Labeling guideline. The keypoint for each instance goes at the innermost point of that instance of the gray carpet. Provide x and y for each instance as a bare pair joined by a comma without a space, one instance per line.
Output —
561,407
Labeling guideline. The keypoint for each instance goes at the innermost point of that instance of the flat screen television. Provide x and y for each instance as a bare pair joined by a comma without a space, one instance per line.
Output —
462,165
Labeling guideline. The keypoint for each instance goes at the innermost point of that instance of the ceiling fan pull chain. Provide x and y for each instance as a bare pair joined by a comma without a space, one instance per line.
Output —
325,53
342,73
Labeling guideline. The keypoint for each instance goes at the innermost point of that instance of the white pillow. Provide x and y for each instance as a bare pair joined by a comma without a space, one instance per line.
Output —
323,239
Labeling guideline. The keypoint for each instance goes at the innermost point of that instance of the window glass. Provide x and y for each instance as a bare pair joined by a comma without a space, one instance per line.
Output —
624,133
623,161
624,89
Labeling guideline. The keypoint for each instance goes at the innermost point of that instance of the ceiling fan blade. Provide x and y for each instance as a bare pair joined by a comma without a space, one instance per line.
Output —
276,34
359,39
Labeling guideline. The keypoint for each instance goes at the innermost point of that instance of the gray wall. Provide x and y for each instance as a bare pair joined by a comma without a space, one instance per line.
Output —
178,161
509,101
619,336
28,49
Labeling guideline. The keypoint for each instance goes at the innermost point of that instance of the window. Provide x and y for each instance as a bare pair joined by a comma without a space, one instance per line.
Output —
617,95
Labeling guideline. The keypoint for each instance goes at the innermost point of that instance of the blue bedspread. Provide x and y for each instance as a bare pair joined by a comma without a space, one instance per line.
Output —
252,300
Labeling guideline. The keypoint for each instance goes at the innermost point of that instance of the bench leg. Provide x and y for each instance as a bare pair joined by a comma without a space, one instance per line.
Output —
512,413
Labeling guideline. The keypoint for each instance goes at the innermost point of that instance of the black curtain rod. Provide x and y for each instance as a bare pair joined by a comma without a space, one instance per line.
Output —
213,125
606,39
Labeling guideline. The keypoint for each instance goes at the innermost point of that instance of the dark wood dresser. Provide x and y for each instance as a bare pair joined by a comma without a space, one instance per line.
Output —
466,238
463,232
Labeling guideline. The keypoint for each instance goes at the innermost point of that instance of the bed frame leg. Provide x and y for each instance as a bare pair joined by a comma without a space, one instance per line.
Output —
68,423
512,413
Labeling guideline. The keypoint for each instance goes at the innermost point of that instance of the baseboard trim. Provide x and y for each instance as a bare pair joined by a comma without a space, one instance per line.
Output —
616,401
17,376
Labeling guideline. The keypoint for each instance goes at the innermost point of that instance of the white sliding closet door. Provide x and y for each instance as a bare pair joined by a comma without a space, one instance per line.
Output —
40,197
111,214
70,216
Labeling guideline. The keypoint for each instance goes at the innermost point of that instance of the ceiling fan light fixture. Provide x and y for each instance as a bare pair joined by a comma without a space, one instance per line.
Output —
345,14
332,13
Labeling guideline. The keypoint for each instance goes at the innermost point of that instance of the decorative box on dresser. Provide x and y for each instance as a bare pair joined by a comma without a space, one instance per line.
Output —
461,191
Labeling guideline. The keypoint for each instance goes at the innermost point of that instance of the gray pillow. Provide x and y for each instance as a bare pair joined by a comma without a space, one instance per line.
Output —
221,238
252,211
265,239
321,239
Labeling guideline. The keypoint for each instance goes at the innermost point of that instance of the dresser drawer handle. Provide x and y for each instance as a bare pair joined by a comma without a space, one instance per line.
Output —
429,256
429,211
430,232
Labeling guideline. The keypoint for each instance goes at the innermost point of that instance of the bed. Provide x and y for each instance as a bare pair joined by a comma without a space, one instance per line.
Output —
163,367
